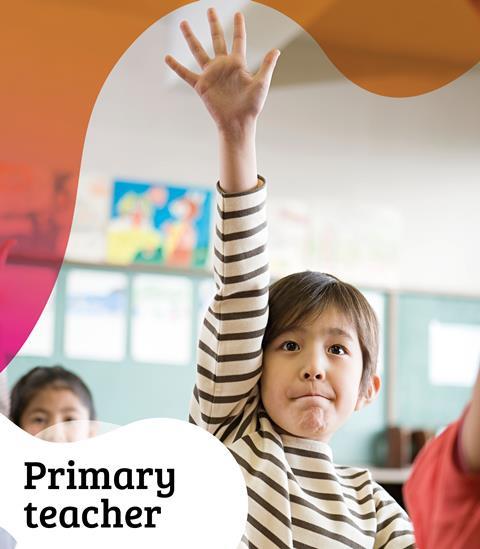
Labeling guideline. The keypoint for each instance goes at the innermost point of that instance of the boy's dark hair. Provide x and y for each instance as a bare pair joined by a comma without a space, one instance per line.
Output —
301,297
42,377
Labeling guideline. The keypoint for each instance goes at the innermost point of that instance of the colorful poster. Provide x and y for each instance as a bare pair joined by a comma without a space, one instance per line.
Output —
159,224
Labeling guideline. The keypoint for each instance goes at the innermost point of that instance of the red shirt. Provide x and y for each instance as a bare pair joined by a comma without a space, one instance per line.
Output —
443,501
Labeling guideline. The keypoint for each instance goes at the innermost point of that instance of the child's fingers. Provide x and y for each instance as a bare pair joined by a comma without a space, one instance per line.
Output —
196,48
239,46
265,72
218,40
185,74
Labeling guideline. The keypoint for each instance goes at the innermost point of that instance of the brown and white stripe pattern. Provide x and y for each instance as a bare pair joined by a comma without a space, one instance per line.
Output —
297,496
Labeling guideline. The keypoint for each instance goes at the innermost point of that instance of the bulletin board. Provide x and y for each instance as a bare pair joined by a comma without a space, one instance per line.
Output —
131,379
127,384
420,402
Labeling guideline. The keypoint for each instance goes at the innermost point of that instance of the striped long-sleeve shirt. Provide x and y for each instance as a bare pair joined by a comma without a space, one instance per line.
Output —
297,496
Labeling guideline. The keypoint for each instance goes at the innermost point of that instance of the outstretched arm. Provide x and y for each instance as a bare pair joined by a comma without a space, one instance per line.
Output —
470,436
230,346
233,97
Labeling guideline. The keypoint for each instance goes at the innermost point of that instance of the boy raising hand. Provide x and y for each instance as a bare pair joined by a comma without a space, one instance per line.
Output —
280,369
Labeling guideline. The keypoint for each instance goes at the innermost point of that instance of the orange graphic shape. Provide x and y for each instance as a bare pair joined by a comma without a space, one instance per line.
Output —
397,48
57,54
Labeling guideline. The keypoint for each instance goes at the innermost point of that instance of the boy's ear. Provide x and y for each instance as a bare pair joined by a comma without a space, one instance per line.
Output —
370,392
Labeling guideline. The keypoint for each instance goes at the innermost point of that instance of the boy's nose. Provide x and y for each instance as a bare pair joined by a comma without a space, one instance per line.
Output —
314,370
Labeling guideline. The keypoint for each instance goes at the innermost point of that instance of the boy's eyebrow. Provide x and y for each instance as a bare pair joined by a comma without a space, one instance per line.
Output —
339,332
332,330
292,329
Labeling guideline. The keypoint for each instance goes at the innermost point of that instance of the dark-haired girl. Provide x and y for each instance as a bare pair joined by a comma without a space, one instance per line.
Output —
53,396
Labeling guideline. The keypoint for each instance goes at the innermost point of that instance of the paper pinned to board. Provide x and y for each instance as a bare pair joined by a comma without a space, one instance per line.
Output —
454,353
95,315
162,319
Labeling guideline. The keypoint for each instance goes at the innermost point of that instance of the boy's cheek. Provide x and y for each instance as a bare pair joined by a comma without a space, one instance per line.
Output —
267,382
266,393
272,400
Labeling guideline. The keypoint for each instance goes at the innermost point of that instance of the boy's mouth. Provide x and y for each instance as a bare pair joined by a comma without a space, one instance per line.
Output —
311,390
313,394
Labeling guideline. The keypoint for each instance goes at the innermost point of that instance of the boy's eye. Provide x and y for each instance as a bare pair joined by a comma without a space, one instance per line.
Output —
290,346
337,350
38,420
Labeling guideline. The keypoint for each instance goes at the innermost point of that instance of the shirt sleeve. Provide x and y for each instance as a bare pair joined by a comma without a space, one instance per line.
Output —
394,529
442,498
229,356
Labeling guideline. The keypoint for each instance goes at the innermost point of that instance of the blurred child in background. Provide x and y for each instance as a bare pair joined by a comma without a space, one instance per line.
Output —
443,491
53,396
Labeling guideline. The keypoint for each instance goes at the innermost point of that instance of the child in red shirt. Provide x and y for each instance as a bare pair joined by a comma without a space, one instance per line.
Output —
443,491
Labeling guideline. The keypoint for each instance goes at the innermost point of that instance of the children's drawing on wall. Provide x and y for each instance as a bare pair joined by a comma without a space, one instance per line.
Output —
159,224
362,242
90,220
35,209
291,240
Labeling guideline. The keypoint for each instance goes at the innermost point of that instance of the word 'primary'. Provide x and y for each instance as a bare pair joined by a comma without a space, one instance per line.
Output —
104,515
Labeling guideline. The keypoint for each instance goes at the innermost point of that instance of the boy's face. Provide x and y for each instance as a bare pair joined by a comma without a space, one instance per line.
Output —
311,377
59,407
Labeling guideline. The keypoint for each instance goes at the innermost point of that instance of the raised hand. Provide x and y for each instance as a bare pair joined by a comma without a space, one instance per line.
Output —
232,95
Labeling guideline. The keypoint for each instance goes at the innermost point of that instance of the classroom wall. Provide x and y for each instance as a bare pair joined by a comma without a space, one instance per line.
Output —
129,390
413,162
125,390
327,142
420,402
332,143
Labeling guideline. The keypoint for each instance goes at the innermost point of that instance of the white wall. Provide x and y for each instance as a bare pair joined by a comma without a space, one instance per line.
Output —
353,155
